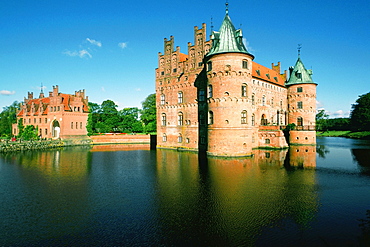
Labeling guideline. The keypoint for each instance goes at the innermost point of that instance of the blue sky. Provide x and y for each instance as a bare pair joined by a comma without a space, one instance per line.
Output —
110,48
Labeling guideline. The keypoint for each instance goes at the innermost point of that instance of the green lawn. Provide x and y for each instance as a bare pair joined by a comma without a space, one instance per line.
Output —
357,135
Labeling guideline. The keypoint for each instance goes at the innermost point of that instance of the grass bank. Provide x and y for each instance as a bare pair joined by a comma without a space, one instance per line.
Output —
349,134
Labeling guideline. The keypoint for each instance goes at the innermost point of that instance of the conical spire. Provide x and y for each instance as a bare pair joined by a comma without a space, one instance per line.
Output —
299,74
227,39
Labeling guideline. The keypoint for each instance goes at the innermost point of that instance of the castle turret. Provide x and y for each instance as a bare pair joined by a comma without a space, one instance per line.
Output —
301,104
228,67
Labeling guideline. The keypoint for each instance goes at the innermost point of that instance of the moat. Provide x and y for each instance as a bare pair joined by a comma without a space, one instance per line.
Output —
132,196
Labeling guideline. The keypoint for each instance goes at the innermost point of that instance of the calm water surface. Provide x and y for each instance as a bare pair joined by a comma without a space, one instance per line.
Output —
125,196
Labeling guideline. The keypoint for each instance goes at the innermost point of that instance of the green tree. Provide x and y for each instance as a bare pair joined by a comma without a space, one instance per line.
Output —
130,120
7,118
321,120
109,118
360,114
29,133
93,118
149,114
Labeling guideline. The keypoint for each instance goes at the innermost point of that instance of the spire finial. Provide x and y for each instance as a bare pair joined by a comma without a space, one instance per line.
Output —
42,88
211,24
299,50
227,7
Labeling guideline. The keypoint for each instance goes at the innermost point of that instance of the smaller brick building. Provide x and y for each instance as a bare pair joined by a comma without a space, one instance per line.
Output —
57,116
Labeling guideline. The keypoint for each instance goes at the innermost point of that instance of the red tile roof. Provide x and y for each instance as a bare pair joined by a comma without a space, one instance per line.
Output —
266,74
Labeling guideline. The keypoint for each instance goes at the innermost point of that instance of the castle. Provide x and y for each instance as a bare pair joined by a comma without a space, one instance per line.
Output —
57,116
218,100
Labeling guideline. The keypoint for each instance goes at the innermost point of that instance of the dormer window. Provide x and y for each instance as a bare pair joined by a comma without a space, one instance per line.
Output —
268,76
275,78
298,75
258,72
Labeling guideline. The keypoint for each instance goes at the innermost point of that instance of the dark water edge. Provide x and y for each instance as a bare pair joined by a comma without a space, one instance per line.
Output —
118,196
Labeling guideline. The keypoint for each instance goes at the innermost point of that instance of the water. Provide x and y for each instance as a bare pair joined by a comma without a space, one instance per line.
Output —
130,196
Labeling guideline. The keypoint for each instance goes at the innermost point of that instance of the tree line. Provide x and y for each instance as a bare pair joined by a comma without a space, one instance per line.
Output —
105,118
359,119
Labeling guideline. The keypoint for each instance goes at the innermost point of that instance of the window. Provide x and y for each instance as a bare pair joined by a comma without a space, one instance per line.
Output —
245,64
164,137
263,100
179,138
210,117
267,141
244,90
209,66
46,131
76,125
164,119
253,119
39,120
201,95
180,119
300,121
163,99
299,105
187,140
253,99
200,64
80,125
34,120
299,90
179,97
71,125
174,70
210,91
46,120
244,117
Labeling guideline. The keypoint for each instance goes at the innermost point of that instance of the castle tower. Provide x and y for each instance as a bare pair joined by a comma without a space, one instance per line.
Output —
227,108
301,105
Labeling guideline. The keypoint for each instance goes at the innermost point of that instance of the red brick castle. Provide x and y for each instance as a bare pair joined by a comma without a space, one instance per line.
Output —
57,116
218,100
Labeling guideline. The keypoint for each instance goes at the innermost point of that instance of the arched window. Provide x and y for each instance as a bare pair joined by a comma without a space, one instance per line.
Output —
180,119
253,99
164,137
163,99
180,98
253,119
179,138
244,90
201,95
245,64
244,117
300,121
164,119
210,91
210,117
263,119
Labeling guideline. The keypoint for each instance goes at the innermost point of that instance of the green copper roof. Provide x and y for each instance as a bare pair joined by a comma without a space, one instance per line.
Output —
299,74
227,39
